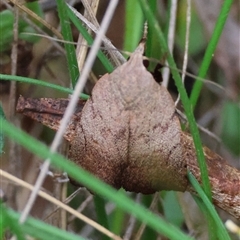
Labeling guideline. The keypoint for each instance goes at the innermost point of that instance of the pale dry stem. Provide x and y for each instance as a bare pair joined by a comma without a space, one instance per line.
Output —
116,56
171,37
185,59
14,159
81,50
35,16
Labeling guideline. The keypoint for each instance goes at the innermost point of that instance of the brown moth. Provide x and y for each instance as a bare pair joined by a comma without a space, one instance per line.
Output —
128,135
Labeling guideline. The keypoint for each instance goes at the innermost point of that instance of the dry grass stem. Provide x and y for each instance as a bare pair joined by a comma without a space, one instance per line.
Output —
116,56
14,159
171,37
185,58
35,16
81,50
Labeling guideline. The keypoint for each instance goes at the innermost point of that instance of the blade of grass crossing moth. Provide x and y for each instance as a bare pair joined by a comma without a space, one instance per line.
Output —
210,50
40,83
185,101
91,182
67,35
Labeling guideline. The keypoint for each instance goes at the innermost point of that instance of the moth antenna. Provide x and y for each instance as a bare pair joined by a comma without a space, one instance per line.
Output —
141,45
145,31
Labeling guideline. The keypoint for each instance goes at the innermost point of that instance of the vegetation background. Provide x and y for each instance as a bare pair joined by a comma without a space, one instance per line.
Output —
217,109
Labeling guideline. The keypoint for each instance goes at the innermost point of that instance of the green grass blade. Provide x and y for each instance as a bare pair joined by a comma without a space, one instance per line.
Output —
185,101
210,50
133,25
213,232
102,216
41,230
117,220
7,222
67,36
40,83
85,178
104,60
152,44
172,209
221,230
